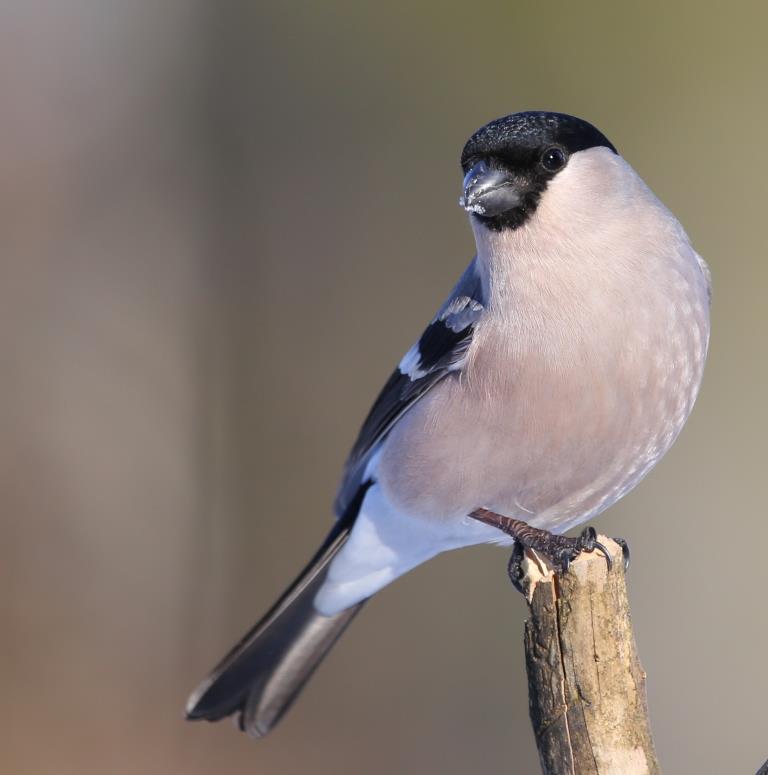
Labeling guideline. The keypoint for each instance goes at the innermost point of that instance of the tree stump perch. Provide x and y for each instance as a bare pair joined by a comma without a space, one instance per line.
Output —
586,686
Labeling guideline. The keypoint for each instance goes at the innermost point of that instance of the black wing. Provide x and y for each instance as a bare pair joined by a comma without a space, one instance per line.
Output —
440,351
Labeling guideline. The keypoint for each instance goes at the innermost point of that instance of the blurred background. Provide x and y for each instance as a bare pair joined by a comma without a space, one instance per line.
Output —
209,213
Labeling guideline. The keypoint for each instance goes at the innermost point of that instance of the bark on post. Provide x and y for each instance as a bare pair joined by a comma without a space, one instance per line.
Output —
585,682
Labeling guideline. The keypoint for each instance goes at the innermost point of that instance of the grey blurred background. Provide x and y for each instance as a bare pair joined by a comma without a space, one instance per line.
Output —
222,224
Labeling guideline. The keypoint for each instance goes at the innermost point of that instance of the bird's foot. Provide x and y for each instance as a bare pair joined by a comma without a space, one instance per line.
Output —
515,567
559,550
624,551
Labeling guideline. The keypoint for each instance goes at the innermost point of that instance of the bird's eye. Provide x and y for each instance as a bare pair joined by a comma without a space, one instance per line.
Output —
553,159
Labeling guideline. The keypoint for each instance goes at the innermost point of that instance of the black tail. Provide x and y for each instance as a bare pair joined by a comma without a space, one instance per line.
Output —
265,671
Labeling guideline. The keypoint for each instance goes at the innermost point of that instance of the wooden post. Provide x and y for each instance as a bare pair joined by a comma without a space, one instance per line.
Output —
585,682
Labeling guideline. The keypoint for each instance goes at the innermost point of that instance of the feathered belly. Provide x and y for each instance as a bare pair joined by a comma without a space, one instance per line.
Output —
553,445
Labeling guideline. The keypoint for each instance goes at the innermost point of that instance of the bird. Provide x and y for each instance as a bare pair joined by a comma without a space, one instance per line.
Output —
559,370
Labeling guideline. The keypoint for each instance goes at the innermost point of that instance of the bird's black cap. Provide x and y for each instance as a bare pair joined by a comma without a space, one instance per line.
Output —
509,163
507,137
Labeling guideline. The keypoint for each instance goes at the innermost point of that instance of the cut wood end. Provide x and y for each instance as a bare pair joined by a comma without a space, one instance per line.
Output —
537,570
594,565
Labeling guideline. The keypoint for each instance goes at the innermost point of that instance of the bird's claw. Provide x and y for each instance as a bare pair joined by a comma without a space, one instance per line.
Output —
586,542
515,567
624,552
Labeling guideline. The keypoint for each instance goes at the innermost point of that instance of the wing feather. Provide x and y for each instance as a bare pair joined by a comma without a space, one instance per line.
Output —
441,350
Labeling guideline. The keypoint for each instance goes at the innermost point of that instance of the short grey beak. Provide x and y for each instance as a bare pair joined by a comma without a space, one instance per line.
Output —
488,191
